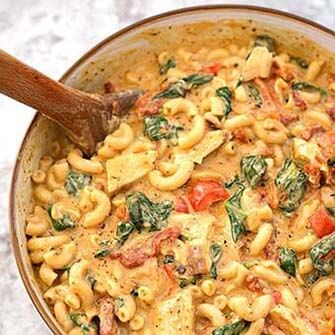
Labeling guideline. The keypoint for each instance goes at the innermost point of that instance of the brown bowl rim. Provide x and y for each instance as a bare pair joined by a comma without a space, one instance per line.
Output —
12,216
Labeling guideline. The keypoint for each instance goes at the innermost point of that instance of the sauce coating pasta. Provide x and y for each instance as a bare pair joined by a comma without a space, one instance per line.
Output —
210,210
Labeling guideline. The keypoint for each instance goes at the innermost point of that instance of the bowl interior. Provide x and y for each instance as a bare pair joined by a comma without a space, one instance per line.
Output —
190,28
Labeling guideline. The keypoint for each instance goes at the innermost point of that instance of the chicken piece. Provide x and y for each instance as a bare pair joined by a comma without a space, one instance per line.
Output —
127,168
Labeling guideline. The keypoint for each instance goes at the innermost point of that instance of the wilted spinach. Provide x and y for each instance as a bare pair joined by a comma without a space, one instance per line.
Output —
265,41
291,182
124,229
226,96
75,181
170,63
180,87
145,213
308,87
253,169
215,253
157,127
323,265
78,320
288,260
255,94
235,328
299,61
235,213
63,223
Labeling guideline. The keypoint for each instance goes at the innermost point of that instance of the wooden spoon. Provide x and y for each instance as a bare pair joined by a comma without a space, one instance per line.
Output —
87,118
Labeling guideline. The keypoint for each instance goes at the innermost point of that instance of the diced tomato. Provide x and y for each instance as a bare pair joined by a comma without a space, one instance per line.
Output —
253,284
109,87
146,106
299,101
171,232
331,112
181,206
276,297
322,223
137,256
205,192
213,69
168,270
313,173
288,117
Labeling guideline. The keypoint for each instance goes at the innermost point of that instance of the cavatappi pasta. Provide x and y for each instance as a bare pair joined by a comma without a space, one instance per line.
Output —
210,210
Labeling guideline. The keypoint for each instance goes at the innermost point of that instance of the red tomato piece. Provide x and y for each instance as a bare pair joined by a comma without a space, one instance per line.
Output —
181,206
322,223
168,270
276,297
213,69
205,192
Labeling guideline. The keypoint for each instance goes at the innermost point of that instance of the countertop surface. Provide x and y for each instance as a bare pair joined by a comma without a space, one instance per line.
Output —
51,35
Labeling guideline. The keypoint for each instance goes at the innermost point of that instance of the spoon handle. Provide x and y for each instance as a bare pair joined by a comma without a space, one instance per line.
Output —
53,99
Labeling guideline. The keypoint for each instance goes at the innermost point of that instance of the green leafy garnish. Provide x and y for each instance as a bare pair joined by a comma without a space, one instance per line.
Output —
124,229
175,90
79,321
265,41
180,87
183,282
235,213
215,253
308,87
157,127
170,63
226,96
105,249
253,169
144,213
64,223
255,94
235,328
323,265
197,79
288,260
291,182
299,61
76,181
91,279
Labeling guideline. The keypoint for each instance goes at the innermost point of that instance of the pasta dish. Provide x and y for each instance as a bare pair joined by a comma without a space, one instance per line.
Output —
209,210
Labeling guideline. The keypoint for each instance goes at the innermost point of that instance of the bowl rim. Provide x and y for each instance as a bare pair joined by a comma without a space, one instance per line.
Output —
34,297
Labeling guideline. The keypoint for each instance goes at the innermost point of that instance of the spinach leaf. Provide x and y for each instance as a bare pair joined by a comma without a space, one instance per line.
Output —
253,169
170,63
235,213
180,87
312,277
105,249
157,127
197,79
124,229
63,223
308,87
235,328
291,182
76,181
175,90
299,61
226,96
288,260
183,282
254,93
318,252
331,210
78,319
91,279
145,213
265,41
215,253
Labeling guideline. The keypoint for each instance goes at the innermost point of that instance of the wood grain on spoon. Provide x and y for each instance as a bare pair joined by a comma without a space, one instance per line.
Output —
87,118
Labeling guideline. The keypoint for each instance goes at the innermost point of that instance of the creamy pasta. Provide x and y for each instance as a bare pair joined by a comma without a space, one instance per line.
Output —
210,210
